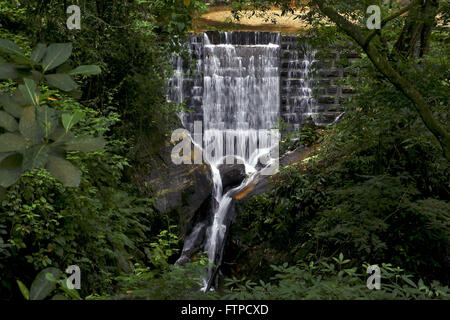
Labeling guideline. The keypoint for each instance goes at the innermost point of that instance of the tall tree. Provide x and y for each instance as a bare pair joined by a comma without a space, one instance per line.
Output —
412,42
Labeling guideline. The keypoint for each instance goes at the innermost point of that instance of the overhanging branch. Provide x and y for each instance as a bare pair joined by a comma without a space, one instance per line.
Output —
385,21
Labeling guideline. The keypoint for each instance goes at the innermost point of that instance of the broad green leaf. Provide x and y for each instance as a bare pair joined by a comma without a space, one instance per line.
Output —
10,142
8,71
70,292
10,47
71,119
50,277
8,122
85,144
13,105
41,286
24,290
87,70
56,54
35,157
29,126
22,62
10,170
60,135
4,155
64,171
61,81
38,52
59,297
28,90
48,119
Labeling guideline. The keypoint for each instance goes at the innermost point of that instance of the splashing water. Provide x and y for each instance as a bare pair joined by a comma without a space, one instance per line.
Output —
241,99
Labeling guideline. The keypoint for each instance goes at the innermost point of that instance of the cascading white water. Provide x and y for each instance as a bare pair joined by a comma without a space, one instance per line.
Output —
298,87
240,97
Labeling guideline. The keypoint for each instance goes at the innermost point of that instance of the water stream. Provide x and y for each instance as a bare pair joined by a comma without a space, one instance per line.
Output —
240,104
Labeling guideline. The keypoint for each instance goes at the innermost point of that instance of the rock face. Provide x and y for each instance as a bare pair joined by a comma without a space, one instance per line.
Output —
232,175
262,184
180,190
245,255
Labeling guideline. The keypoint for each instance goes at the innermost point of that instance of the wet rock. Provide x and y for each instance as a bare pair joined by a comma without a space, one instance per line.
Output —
179,190
232,174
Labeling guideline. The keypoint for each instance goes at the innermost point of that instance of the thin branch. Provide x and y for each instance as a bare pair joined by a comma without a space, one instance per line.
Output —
389,19
351,29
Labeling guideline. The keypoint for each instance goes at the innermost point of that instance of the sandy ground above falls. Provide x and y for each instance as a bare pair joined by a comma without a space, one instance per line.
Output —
220,17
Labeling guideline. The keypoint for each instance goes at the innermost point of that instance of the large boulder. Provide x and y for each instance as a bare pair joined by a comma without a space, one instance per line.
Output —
180,190
232,175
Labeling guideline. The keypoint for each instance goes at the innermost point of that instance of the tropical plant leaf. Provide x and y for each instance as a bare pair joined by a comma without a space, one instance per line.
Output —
10,170
85,144
38,52
12,105
28,90
61,81
64,171
35,157
10,47
24,290
71,119
8,71
4,155
56,54
86,70
59,297
29,126
60,135
8,122
10,142
41,286
70,292
48,119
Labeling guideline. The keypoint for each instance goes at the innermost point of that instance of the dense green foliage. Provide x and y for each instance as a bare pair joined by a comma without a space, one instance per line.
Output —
376,189
103,225
332,280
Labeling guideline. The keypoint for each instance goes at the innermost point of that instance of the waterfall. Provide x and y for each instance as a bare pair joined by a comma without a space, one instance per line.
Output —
239,106
298,87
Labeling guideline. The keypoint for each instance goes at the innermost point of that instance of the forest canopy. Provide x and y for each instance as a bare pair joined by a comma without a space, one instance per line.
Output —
84,115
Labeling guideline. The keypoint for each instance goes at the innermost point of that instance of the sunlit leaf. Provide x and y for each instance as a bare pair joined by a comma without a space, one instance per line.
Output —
24,290
71,119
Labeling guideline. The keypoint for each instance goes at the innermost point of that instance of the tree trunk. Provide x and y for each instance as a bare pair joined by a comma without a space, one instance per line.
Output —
388,69
414,41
